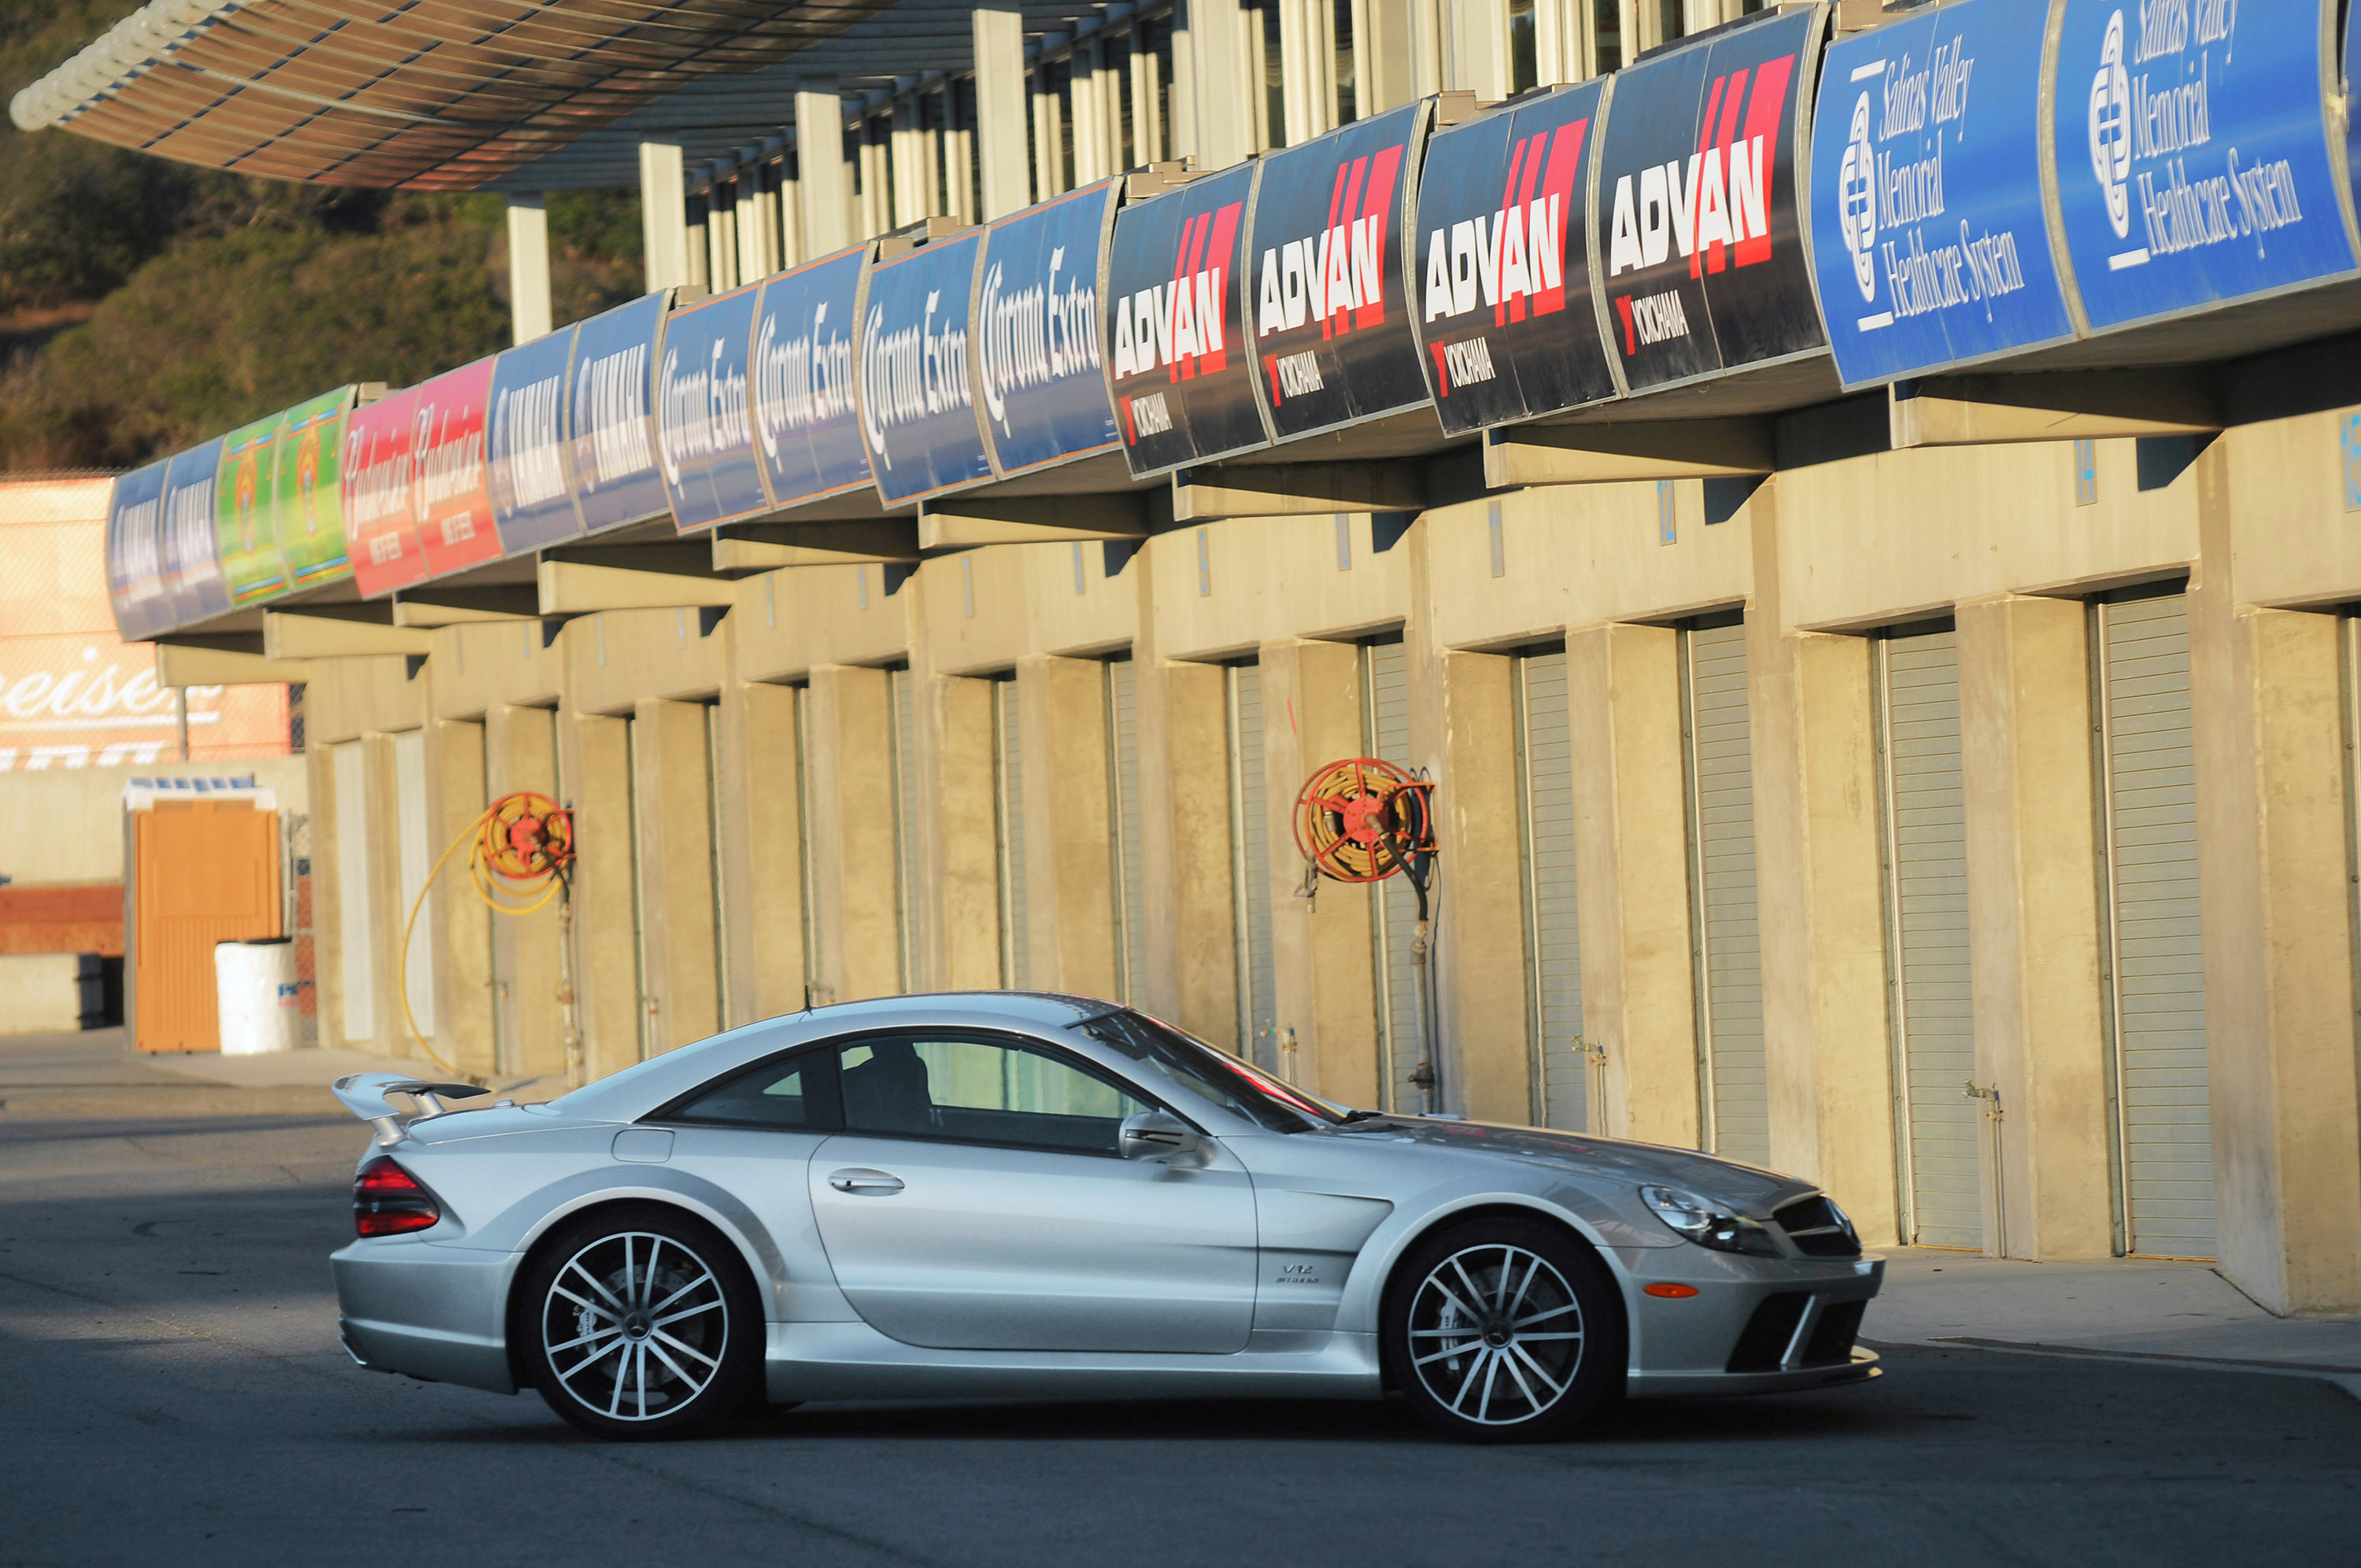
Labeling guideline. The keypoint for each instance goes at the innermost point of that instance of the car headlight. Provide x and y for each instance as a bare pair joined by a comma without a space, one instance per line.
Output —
1709,1223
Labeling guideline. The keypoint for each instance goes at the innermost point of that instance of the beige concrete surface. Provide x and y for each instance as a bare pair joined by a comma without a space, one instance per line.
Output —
39,992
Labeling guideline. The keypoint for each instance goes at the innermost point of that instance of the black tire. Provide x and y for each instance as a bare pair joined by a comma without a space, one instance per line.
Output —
1532,1356
666,1290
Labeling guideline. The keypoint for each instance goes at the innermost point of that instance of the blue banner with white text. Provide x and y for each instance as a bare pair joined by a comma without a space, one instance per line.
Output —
806,422
704,429
917,405
531,472
1038,355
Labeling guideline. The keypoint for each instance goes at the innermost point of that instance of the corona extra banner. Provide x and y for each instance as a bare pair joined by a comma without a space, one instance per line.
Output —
806,422
382,528
917,399
1697,220
245,514
192,574
1332,340
1037,359
1178,361
1501,263
451,498
1930,244
135,567
311,502
610,416
531,463
705,428
2195,164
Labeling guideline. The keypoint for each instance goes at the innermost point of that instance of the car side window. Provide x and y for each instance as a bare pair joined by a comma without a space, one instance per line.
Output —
790,1093
980,1091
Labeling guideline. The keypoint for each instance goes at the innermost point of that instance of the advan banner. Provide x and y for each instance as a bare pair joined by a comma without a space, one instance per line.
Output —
610,415
1180,363
192,544
2195,165
1931,246
917,398
134,565
806,421
1502,262
1037,359
1697,217
530,462
452,498
378,494
705,428
1332,340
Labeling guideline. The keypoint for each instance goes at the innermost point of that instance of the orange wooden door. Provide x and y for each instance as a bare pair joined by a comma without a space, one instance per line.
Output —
208,872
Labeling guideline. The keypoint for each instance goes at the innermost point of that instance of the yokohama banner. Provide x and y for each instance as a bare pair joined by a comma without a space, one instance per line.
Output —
135,567
610,415
1698,222
1332,319
1502,264
531,465
1176,347
193,573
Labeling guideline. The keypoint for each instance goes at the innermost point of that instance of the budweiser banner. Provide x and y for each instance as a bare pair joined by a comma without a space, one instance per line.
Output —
245,512
1502,264
1333,338
530,462
1698,220
610,416
451,497
806,422
1179,362
135,567
705,428
311,501
193,573
1045,395
378,494
917,399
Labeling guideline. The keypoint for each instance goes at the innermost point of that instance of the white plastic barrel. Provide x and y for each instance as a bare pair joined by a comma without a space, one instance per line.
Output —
261,1009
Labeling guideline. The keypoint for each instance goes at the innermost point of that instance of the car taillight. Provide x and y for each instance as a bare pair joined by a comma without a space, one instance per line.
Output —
388,1200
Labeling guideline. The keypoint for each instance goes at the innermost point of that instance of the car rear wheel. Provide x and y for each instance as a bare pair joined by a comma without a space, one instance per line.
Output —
1503,1331
641,1322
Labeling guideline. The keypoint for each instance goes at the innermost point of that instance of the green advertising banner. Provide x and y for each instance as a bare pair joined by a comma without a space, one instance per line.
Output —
310,509
245,512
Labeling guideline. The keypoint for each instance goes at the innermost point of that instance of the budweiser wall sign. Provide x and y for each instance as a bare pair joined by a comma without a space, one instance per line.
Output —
806,422
610,415
531,463
192,574
1704,265
1038,360
1179,359
378,494
1503,266
705,425
451,495
1332,319
917,399
134,561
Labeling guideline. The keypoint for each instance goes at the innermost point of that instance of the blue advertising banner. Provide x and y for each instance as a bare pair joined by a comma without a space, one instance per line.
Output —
191,564
2194,165
610,417
1044,399
805,419
917,405
135,566
1929,242
704,424
531,471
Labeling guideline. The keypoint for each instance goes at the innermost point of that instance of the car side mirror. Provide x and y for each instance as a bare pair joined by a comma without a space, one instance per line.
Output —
1159,1134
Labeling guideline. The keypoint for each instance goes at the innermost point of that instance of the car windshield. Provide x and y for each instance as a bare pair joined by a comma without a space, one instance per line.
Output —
1211,1074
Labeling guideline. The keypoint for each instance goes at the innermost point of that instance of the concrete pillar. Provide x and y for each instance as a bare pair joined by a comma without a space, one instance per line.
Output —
1631,857
755,220
721,239
962,870
1069,871
521,747
793,249
1223,116
824,181
851,783
1001,142
2033,907
382,823
663,215
759,817
1321,949
1184,859
1049,137
529,307
672,776
913,166
1476,47
455,919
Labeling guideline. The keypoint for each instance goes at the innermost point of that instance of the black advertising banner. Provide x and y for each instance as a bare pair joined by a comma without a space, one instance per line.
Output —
1176,342
1331,317
1503,264
1697,218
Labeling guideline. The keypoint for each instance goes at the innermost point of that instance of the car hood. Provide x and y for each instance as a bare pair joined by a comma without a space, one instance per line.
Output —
1749,1191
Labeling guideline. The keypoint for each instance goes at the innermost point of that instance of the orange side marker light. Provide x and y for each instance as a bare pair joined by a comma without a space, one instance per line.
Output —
1669,1292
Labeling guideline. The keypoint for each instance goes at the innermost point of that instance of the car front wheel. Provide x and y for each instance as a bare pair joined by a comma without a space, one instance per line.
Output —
1503,1331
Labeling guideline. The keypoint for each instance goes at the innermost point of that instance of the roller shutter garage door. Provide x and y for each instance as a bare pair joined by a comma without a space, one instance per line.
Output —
1008,779
1552,952
1250,871
1728,954
1384,686
905,824
2157,961
1926,925
1123,757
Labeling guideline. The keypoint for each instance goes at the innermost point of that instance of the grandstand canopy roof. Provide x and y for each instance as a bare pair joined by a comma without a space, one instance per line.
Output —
468,95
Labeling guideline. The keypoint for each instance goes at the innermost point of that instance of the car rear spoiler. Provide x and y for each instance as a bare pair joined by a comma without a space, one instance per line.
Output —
364,1094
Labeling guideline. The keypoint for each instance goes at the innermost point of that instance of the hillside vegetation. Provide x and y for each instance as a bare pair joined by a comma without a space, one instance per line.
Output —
146,304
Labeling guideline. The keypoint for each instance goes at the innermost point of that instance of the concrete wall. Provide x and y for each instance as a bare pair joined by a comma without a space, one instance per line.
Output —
67,825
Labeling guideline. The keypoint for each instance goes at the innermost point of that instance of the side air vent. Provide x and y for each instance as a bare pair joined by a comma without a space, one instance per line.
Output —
1818,1228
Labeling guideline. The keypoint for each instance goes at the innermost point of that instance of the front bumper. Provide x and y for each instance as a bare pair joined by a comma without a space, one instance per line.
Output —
1745,1331
428,1310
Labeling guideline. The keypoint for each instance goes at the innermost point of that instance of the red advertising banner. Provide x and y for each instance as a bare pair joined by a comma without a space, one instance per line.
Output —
451,490
378,491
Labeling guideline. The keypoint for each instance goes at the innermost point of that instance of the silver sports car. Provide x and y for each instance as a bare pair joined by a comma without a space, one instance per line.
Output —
1010,1194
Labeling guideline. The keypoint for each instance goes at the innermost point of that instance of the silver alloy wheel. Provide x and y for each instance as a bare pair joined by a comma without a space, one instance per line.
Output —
1496,1334
634,1325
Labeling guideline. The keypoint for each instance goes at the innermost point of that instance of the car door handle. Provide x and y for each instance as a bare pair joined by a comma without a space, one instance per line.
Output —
870,1183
